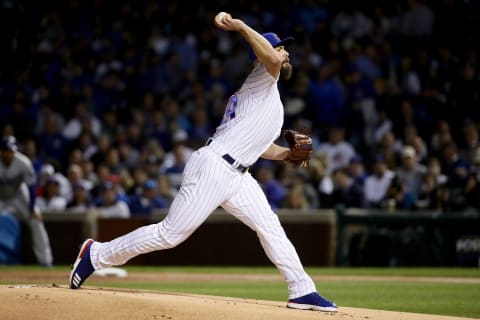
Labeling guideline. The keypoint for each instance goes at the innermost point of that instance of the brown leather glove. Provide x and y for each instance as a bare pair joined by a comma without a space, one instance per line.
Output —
300,147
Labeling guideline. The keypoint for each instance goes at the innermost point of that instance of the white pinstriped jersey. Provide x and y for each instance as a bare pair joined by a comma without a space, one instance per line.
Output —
12,178
253,117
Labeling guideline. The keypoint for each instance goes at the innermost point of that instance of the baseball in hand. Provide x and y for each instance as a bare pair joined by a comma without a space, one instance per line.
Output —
220,16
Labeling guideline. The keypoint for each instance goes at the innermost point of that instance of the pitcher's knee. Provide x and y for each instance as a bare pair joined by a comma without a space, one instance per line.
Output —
171,243
171,238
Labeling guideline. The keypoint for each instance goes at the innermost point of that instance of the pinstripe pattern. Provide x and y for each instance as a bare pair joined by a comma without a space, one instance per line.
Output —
258,118
250,126
207,182
250,206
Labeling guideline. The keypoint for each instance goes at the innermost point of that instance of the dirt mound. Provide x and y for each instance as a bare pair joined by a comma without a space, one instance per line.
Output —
54,302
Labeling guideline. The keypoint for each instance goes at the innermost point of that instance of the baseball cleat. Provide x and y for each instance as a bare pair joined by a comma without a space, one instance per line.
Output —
312,301
82,268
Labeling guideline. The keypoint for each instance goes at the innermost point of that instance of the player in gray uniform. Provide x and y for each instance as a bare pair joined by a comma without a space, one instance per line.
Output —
217,175
17,196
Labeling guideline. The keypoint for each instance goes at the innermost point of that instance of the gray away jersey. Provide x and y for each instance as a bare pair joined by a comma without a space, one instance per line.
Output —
12,177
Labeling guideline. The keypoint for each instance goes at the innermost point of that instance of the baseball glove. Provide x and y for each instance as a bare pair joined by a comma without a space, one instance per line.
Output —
300,147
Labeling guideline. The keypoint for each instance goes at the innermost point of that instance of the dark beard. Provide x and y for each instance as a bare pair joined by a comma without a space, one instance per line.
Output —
286,71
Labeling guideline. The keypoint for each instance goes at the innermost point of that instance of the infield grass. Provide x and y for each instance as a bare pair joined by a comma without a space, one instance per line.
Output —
407,294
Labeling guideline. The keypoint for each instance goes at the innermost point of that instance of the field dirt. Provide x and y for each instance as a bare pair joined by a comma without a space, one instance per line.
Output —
55,301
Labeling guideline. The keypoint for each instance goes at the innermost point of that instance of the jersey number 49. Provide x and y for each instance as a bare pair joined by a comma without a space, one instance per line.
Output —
230,109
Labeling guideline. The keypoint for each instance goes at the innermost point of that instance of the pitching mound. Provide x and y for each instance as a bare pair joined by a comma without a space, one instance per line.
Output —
58,302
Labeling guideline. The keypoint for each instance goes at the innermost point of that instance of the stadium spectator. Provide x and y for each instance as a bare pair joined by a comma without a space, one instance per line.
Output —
337,149
356,170
346,192
47,172
272,188
76,177
472,189
97,151
81,201
82,121
201,128
175,160
51,200
433,193
378,183
417,21
410,175
296,198
389,148
440,137
383,125
54,145
470,142
147,200
30,149
325,97
455,168
351,23
108,205
181,150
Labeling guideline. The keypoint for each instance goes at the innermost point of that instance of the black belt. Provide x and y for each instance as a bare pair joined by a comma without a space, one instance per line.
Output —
230,160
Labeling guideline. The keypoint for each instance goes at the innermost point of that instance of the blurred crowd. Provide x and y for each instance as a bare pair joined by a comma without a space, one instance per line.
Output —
109,99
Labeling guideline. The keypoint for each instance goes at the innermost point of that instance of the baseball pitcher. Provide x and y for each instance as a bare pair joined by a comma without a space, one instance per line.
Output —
217,175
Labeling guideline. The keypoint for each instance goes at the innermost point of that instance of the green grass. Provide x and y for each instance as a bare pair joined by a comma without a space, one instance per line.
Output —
336,271
454,299
412,272
437,298
416,272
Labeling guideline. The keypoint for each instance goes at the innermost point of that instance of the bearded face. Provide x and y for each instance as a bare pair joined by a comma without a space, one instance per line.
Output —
286,71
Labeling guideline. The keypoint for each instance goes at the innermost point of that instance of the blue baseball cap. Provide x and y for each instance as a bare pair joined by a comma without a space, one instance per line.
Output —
150,184
274,40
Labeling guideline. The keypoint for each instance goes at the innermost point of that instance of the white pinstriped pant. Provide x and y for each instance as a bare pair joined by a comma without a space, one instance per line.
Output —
209,181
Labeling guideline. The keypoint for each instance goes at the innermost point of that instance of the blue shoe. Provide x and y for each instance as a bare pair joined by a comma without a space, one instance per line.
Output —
312,301
82,268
